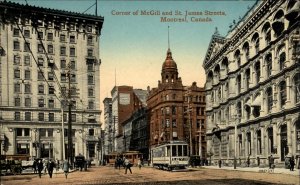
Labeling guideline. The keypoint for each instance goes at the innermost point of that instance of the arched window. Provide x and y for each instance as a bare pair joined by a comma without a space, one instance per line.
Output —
255,41
217,73
237,57
267,33
246,50
268,60
269,94
239,110
238,83
278,23
257,71
282,89
225,65
247,74
297,87
270,140
259,147
298,136
282,61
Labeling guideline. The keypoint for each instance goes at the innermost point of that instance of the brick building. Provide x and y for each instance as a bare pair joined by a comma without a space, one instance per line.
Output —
172,107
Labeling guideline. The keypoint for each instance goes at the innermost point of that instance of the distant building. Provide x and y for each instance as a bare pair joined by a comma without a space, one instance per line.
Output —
124,103
39,47
252,87
177,111
108,126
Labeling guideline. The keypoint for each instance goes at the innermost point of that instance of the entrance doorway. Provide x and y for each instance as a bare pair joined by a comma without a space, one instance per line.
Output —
283,142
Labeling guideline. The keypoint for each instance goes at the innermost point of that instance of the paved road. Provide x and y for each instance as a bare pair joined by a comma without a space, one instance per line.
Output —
149,176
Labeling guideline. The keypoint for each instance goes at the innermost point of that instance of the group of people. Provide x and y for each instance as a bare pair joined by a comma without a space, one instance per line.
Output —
39,166
126,164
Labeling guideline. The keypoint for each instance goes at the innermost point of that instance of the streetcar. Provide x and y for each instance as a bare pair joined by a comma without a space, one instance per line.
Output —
132,156
171,155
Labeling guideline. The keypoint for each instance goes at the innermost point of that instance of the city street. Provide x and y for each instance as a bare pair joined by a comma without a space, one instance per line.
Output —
148,175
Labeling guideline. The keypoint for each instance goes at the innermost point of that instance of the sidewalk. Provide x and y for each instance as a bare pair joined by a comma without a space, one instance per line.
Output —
257,169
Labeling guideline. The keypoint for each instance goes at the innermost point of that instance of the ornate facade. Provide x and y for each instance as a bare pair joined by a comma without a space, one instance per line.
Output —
41,49
176,112
253,86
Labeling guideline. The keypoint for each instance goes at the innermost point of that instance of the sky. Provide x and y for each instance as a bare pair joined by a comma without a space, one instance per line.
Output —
133,47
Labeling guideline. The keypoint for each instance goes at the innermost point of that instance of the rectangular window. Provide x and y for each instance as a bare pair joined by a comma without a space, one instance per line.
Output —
40,62
91,105
51,103
63,64
17,116
26,60
90,66
26,131
27,74
17,88
16,32
41,102
90,79
90,52
16,59
73,78
16,45
27,102
41,116
74,117
19,132
72,38
51,90
50,36
50,49
63,77
63,50
27,116
40,75
51,117
17,102
27,33
40,48
50,132
17,73
40,35
62,38
73,65
26,47
41,89
90,40
50,76
91,92
27,88
72,51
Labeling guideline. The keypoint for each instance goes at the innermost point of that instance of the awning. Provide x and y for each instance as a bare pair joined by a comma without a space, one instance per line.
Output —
256,102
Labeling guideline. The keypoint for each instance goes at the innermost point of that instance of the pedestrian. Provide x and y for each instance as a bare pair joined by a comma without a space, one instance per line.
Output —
34,166
50,168
220,163
66,167
57,165
271,161
292,163
127,165
45,165
140,163
40,167
248,161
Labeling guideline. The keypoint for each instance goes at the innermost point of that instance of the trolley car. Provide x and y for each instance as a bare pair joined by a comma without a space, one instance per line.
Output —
170,155
132,156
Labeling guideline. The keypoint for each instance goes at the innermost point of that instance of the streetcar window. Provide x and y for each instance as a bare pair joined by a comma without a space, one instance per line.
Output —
168,151
185,152
174,150
179,150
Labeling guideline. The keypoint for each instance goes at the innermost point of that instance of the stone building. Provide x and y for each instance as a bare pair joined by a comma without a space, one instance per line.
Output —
108,126
176,112
49,58
252,87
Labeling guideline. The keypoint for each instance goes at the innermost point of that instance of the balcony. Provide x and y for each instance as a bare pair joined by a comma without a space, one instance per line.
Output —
91,138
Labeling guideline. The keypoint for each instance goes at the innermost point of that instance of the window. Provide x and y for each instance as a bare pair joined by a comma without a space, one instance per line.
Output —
17,102
19,132
269,64
50,36
40,75
16,45
259,146
282,61
17,116
297,136
90,66
63,77
16,32
51,117
62,38
26,46
50,76
40,62
72,38
297,87
283,93
74,117
90,92
40,48
238,82
50,49
270,140
248,74
73,78
173,110
89,28
41,89
41,102
27,74
269,93
51,90
27,102
27,33
257,70
73,64
90,52
17,73
174,123
72,51
91,105
90,79
51,103
27,88
63,64
73,104
50,132
72,27
40,35
16,59
17,88
27,116
63,50
90,40
26,60
91,132
41,116
167,123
